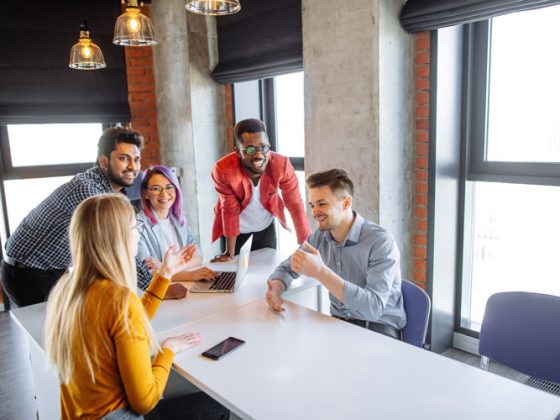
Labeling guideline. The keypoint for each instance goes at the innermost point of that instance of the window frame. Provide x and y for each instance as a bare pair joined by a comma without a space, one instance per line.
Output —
10,172
267,91
476,82
478,42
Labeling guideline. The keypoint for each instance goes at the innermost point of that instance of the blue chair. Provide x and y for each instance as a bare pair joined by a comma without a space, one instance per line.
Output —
522,331
417,308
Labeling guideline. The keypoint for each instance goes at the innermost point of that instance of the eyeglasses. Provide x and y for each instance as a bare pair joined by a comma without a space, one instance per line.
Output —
139,226
251,150
158,189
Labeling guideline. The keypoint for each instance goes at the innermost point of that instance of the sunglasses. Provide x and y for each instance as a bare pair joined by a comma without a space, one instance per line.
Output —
251,150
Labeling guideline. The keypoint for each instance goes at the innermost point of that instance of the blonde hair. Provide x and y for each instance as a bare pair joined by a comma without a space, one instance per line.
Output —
100,242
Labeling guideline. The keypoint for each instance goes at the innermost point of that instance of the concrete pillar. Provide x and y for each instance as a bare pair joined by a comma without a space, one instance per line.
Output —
191,111
358,106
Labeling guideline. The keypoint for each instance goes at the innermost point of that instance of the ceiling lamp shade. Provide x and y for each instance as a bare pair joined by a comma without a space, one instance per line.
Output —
213,7
133,29
85,55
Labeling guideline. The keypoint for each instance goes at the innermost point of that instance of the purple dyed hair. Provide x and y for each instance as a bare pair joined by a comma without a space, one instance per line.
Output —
177,207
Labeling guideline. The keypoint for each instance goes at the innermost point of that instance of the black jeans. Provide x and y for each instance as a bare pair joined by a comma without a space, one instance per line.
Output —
266,238
378,327
27,286
197,406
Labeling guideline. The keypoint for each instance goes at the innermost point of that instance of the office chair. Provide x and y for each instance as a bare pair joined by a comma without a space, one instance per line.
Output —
417,308
521,330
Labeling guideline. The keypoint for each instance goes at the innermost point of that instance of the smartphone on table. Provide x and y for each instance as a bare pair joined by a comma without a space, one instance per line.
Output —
223,348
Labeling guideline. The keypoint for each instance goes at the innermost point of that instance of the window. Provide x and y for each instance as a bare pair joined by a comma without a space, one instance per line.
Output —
278,101
53,144
290,136
37,158
512,194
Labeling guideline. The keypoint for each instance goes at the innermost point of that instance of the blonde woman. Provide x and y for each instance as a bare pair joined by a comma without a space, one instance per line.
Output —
97,330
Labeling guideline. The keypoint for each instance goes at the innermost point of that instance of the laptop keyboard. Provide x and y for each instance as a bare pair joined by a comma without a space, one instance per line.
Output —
225,281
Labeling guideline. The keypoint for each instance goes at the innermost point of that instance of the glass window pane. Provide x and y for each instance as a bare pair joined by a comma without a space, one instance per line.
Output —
515,244
524,89
22,195
289,114
288,240
53,144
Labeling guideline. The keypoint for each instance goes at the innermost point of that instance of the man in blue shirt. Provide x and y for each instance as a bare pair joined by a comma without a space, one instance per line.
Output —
38,252
354,258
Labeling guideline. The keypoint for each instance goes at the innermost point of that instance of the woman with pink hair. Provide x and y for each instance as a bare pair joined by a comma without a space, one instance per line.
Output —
165,224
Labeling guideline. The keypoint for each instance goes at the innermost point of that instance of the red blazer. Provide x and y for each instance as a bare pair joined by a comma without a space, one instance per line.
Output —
234,191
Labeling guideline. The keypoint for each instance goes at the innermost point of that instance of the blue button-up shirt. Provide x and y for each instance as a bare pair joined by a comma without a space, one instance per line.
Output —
368,261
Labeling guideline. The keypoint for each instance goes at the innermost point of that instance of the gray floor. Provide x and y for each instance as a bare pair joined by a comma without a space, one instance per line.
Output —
17,398
473,360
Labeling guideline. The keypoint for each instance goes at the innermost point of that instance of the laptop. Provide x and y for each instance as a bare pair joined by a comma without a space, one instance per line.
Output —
227,281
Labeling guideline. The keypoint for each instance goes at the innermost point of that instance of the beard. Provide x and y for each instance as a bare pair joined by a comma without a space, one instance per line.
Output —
119,179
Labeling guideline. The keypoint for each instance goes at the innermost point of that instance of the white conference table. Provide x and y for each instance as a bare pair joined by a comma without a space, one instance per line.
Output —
199,305
302,364
172,313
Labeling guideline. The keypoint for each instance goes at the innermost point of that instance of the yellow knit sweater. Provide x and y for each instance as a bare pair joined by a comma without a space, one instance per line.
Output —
124,372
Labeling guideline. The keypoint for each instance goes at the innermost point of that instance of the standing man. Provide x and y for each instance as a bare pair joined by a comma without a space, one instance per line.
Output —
247,181
355,259
38,252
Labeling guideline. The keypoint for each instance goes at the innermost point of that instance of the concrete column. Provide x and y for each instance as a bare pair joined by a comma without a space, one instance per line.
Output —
358,106
191,111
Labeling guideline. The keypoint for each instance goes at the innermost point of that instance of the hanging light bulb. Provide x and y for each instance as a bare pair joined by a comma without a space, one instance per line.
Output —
133,29
85,55
213,7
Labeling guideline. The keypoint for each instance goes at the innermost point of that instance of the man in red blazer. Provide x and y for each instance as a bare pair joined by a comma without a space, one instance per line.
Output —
247,181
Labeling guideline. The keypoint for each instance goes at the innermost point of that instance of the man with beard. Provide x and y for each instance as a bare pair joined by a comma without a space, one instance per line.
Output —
355,259
247,181
38,252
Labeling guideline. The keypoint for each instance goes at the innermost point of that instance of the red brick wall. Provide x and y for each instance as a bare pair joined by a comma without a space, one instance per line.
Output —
422,106
229,115
142,98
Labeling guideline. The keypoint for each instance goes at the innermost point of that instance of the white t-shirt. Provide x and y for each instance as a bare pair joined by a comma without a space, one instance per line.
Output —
168,236
254,217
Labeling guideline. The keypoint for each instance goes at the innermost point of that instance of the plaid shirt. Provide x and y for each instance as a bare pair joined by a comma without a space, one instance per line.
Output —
41,240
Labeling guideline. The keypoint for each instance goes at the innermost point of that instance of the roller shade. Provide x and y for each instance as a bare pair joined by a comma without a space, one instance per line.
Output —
427,15
36,84
264,39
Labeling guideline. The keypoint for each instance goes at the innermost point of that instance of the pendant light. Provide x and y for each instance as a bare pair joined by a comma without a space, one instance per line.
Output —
213,7
133,29
85,55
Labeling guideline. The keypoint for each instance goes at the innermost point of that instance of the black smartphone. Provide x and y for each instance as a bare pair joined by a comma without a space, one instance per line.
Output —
223,348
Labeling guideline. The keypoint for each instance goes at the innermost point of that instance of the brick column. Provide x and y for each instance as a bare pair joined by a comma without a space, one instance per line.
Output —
422,108
142,98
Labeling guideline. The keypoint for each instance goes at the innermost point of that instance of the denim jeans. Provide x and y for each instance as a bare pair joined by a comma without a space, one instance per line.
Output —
122,414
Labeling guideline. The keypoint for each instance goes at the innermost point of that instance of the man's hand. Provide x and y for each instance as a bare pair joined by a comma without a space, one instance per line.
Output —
274,295
225,257
175,291
153,264
308,262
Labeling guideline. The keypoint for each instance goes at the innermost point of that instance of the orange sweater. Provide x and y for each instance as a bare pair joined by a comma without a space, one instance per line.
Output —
124,372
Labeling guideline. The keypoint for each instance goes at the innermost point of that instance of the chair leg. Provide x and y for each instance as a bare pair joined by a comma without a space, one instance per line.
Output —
484,361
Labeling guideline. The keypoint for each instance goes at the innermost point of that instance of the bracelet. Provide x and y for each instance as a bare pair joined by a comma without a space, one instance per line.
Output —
226,253
153,294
